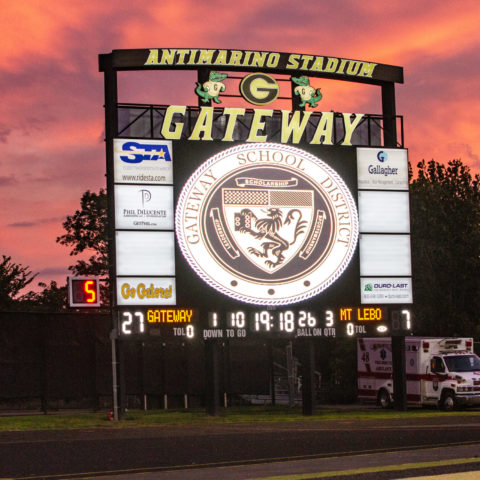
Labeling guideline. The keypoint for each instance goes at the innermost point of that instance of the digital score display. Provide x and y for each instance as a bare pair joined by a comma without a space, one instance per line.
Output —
83,291
290,323
281,323
159,322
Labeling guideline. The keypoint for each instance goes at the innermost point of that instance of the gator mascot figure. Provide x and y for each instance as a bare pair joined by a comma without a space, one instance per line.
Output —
211,90
307,93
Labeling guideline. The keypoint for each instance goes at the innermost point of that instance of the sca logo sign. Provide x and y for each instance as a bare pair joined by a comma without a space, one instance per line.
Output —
267,224
259,88
138,152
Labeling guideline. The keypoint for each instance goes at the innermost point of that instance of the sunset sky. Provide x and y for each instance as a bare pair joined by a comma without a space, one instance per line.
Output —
52,119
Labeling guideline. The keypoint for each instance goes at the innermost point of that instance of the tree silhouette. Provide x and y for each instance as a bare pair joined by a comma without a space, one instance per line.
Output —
13,279
86,232
445,226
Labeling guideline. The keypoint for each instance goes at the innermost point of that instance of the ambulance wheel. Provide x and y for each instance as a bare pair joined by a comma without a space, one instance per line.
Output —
448,401
384,399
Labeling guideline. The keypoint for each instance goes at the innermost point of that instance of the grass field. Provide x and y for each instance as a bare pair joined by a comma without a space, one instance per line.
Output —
138,418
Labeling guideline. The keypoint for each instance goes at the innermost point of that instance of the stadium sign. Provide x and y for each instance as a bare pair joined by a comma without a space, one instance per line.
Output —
221,203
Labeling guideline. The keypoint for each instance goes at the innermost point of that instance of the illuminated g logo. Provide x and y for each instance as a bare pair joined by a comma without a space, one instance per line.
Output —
259,88
382,156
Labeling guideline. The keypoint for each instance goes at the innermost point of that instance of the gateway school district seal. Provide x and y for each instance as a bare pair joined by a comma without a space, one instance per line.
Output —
267,224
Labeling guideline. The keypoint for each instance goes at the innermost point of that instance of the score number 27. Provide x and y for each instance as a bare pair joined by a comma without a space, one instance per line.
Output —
127,322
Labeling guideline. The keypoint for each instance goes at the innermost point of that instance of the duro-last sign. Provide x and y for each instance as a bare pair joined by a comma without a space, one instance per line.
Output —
386,290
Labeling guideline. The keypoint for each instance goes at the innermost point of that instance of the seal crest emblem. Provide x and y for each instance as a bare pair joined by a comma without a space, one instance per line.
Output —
267,224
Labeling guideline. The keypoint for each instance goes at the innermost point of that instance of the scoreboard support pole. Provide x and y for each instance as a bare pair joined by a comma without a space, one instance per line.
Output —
271,368
389,115
307,359
399,373
111,127
122,391
212,378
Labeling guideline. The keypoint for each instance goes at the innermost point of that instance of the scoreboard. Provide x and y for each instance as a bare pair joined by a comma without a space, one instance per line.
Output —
292,243
247,210
287,323
229,221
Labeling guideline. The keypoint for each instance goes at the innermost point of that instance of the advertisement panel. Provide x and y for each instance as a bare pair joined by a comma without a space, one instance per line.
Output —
140,161
144,207
382,168
146,291
385,255
384,212
397,290
145,253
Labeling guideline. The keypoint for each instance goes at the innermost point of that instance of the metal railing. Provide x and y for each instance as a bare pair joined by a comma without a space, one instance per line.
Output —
146,121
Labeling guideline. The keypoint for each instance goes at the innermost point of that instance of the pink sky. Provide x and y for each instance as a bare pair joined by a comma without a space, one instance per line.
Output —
51,122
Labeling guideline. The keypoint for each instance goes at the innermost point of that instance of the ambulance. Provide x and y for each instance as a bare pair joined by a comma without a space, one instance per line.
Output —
439,371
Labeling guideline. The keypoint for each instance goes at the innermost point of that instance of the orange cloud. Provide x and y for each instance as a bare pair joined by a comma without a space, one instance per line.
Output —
33,28
51,116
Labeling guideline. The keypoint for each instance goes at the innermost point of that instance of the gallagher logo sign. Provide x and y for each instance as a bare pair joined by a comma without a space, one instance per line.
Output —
267,224
384,169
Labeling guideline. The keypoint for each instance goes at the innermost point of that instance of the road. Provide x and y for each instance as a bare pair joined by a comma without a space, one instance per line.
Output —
254,450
